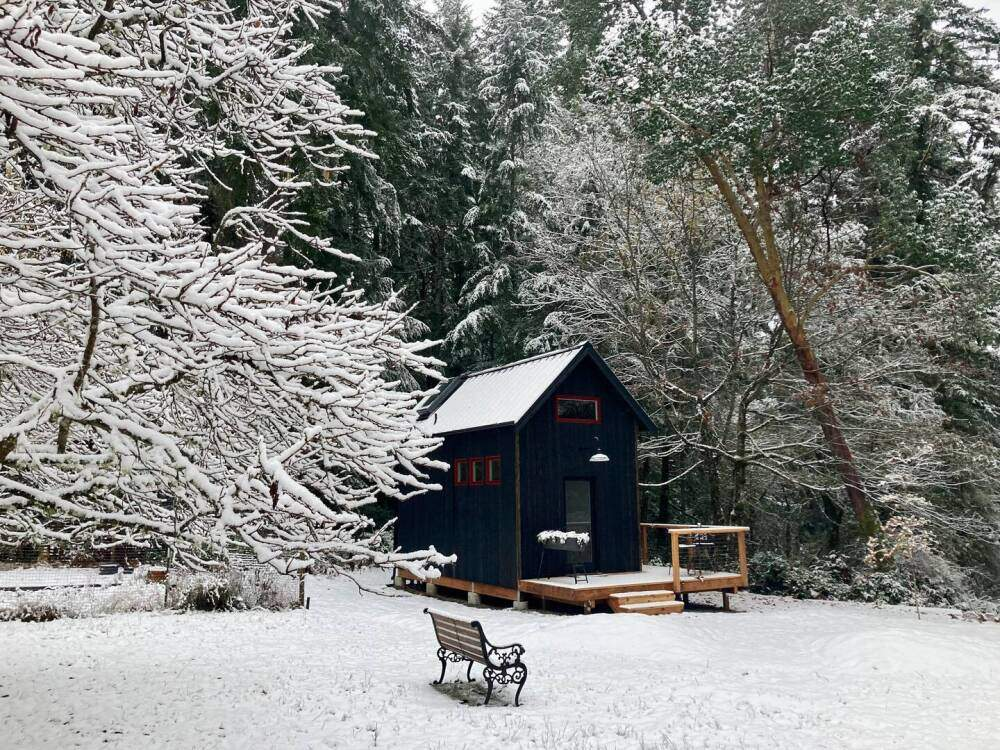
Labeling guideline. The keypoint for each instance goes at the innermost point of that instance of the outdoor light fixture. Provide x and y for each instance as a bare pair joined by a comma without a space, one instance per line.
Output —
599,457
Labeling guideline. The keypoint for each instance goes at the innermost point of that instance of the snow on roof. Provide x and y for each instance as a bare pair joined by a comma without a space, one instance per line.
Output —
500,395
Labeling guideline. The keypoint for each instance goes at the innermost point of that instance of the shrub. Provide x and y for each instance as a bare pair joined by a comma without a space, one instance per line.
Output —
770,573
30,611
830,577
205,592
236,589
263,588
881,587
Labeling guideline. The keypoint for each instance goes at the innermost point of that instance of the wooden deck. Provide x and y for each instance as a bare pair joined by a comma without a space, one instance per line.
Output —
690,550
652,578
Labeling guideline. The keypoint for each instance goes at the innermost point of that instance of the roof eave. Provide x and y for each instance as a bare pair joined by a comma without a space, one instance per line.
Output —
587,350
480,428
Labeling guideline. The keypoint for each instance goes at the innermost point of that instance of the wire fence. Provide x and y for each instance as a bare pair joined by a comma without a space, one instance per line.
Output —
45,582
699,555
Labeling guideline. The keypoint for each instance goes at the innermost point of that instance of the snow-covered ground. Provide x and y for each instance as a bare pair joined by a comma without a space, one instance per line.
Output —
40,576
355,671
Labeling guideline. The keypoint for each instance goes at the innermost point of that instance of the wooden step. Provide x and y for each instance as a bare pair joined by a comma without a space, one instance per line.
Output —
638,597
663,607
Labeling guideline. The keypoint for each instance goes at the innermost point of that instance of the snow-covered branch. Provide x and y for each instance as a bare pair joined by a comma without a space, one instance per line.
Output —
163,377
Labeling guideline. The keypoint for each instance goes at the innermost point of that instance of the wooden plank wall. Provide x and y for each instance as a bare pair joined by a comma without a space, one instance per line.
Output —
552,451
477,523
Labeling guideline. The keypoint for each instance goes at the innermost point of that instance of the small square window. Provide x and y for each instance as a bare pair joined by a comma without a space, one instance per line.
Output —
493,470
478,470
461,472
579,409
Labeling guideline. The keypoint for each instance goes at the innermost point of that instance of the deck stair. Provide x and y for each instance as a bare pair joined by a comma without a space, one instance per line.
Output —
659,602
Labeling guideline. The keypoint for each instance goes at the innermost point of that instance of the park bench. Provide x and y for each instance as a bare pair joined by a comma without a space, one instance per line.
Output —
463,640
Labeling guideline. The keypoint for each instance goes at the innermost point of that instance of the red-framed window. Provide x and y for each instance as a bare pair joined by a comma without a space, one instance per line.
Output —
477,471
578,409
493,470
461,472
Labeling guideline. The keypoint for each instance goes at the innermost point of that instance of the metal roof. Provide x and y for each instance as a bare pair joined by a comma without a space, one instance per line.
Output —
498,396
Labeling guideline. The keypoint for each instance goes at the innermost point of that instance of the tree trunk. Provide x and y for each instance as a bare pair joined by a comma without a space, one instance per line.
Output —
759,235
737,510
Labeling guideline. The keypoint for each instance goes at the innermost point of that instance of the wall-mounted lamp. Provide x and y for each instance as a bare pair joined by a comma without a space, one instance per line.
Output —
599,456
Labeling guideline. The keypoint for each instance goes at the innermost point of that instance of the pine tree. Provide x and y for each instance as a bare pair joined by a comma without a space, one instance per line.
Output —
520,42
454,132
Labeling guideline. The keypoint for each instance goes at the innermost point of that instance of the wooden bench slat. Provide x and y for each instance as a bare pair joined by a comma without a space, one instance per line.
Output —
461,636
445,627
472,642
470,635
459,627
461,644
445,617
458,636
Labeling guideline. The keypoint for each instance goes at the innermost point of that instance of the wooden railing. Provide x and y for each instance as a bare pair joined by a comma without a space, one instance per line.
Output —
684,549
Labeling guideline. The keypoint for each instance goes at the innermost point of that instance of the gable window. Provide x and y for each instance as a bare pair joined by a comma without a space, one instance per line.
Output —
477,470
461,472
493,470
578,409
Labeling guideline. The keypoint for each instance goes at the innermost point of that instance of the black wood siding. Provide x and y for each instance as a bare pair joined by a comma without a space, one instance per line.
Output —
476,522
552,451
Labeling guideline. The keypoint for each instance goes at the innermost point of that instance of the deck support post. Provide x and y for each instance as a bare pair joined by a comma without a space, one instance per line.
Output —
519,605
741,548
675,559
725,601
397,580
431,589
473,598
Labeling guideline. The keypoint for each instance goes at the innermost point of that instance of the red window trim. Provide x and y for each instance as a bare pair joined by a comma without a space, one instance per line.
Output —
459,483
567,397
486,470
472,472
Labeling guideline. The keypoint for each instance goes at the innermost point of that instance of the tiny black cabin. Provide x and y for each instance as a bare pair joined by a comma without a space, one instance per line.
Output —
547,443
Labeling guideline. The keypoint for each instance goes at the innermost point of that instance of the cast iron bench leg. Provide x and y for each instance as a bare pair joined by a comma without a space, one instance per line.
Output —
523,670
488,676
444,665
517,674
443,655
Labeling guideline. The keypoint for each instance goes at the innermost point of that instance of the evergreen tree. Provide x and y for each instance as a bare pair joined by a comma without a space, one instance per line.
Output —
455,130
415,77
380,48
520,42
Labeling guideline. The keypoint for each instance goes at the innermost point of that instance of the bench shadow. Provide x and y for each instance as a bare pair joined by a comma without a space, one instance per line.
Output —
474,693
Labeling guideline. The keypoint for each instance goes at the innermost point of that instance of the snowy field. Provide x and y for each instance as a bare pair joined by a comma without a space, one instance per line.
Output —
355,671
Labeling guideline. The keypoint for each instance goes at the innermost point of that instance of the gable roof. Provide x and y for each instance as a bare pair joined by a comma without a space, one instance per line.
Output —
510,394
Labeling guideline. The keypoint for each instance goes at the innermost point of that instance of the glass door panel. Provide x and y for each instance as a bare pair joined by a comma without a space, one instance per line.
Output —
578,494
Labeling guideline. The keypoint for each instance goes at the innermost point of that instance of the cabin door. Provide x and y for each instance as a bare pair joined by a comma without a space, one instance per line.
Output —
578,495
